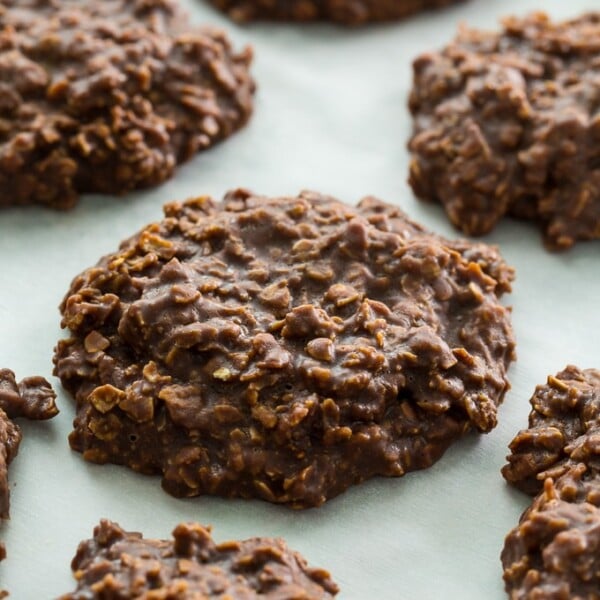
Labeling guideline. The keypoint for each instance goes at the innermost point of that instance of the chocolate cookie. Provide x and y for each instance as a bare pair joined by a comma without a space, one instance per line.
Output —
348,12
107,97
32,398
554,552
507,124
564,430
284,348
116,564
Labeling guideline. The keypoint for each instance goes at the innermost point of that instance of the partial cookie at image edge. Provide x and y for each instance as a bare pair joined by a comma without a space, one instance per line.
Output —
506,124
138,92
554,551
121,564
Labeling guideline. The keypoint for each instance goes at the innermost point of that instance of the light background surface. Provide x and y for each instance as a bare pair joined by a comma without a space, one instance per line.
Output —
330,116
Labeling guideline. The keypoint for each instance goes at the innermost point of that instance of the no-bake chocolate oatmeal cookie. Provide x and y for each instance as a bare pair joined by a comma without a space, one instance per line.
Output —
508,123
31,398
284,348
107,97
564,430
554,552
348,12
116,564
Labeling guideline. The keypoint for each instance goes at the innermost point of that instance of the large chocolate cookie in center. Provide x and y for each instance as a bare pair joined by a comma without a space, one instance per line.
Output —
284,348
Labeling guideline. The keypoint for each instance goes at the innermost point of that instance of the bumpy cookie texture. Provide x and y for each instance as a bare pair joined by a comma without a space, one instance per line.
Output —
107,97
10,438
31,398
285,348
348,12
564,430
554,552
508,124
116,564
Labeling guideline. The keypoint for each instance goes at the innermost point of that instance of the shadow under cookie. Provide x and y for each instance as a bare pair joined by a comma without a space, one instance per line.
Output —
347,12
